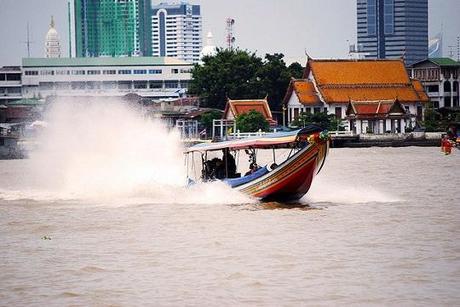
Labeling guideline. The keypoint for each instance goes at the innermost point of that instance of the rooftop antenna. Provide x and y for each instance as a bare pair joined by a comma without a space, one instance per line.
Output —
230,39
70,28
28,42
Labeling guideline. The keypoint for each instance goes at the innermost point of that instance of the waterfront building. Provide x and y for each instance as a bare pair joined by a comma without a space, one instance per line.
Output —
52,42
109,28
331,85
148,77
235,108
176,31
390,29
440,78
10,84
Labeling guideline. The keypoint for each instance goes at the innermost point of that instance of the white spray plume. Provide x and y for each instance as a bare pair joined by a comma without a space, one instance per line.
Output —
106,150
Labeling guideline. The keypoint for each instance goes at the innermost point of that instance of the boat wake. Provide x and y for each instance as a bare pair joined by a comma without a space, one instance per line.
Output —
111,153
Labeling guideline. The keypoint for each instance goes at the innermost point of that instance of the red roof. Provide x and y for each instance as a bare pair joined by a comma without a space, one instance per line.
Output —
375,109
234,108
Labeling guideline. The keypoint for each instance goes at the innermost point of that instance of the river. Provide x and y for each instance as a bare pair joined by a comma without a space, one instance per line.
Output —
380,226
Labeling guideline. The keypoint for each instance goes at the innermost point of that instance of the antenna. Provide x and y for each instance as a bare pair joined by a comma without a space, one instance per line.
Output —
230,39
28,42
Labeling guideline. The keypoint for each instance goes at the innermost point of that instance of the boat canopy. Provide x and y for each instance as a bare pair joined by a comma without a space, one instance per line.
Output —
267,141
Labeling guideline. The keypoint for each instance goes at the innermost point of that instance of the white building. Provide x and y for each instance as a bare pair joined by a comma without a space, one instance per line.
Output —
176,31
10,84
52,42
149,77
440,78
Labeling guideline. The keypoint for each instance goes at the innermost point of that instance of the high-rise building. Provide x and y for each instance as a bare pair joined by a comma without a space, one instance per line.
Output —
176,31
109,27
393,29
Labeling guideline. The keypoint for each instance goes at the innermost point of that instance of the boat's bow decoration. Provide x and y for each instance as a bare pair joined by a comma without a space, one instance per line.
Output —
289,180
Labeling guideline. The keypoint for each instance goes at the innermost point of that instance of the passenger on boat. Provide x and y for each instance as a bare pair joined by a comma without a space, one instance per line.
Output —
228,164
252,168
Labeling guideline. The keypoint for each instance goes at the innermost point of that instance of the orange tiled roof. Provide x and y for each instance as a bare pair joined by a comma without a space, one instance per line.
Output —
238,107
359,72
420,91
304,90
340,81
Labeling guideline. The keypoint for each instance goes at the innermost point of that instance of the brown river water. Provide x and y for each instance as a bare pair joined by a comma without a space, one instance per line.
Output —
380,226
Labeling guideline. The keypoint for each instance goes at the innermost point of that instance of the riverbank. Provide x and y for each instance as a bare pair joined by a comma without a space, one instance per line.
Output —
421,139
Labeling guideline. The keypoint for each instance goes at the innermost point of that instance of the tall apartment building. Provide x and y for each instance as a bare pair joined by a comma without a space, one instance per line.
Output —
109,27
176,31
393,29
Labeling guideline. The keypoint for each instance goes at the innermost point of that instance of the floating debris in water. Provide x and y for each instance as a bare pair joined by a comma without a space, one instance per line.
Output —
46,238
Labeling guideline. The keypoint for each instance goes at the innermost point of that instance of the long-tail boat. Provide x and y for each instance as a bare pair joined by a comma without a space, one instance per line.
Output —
285,180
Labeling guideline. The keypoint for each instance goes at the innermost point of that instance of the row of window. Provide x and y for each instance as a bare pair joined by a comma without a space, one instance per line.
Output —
123,85
104,72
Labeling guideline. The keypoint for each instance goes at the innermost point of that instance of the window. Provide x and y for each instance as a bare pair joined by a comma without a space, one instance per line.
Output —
317,110
338,112
371,17
156,84
447,86
124,72
171,84
388,16
78,72
140,71
185,71
155,71
109,72
94,72
62,72
174,71
47,72
31,72
140,84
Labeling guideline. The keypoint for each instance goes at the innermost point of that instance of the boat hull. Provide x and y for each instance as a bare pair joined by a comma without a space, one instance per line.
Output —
292,179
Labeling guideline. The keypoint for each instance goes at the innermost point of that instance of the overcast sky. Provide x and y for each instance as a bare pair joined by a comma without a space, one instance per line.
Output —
321,27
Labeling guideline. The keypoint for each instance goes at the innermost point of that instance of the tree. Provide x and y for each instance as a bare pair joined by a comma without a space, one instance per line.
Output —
240,74
251,121
433,120
275,79
230,73
208,117
295,70
322,119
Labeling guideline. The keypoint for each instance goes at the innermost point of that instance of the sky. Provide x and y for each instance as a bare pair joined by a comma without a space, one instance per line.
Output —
322,28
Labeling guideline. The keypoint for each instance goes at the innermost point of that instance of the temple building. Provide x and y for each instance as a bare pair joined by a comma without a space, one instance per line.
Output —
235,108
52,42
210,49
330,86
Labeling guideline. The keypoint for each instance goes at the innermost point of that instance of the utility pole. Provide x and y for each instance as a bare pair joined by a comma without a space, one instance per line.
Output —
28,42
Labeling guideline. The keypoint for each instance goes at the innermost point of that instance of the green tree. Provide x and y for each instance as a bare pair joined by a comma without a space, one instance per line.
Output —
208,117
296,70
275,78
230,73
251,121
239,74
322,119
433,120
